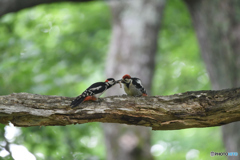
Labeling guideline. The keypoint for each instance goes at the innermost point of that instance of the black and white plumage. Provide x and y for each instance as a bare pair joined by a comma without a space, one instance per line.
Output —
133,86
93,92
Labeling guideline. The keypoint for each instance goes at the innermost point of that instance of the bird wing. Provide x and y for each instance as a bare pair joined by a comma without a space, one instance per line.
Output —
94,89
137,82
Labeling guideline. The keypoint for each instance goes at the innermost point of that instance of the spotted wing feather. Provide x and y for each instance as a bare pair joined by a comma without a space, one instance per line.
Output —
137,82
94,89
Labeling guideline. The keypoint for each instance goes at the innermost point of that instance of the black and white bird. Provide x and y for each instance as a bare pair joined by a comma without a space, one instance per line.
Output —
133,86
93,92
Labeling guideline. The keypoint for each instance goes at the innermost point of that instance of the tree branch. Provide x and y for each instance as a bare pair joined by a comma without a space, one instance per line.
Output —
8,6
179,111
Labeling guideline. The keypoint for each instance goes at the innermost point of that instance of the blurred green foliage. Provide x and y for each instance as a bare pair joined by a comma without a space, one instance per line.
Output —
179,67
60,49
52,46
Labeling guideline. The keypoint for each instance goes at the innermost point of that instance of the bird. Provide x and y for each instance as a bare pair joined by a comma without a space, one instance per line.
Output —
93,92
133,86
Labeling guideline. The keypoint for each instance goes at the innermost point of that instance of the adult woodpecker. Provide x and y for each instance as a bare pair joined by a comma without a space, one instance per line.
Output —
133,86
93,92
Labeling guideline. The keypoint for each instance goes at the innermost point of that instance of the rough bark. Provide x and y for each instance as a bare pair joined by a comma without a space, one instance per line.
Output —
179,111
135,26
217,25
8,6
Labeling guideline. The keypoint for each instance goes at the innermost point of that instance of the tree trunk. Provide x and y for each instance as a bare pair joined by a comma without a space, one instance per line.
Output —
134,43
217,25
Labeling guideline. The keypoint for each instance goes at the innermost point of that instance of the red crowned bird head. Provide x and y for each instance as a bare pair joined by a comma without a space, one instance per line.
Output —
126,76
126,79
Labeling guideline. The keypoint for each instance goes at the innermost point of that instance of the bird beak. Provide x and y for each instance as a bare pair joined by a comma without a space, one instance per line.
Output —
122,81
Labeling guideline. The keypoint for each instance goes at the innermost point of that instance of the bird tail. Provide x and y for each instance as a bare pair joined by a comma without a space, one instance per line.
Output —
78,100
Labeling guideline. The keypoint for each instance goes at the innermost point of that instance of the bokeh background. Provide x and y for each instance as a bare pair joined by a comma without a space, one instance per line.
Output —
61,48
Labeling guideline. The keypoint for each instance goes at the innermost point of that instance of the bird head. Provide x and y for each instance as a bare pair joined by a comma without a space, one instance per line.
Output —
126,79
111,81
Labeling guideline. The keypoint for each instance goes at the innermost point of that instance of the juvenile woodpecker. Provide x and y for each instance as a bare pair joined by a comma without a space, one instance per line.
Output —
133,86
93,92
